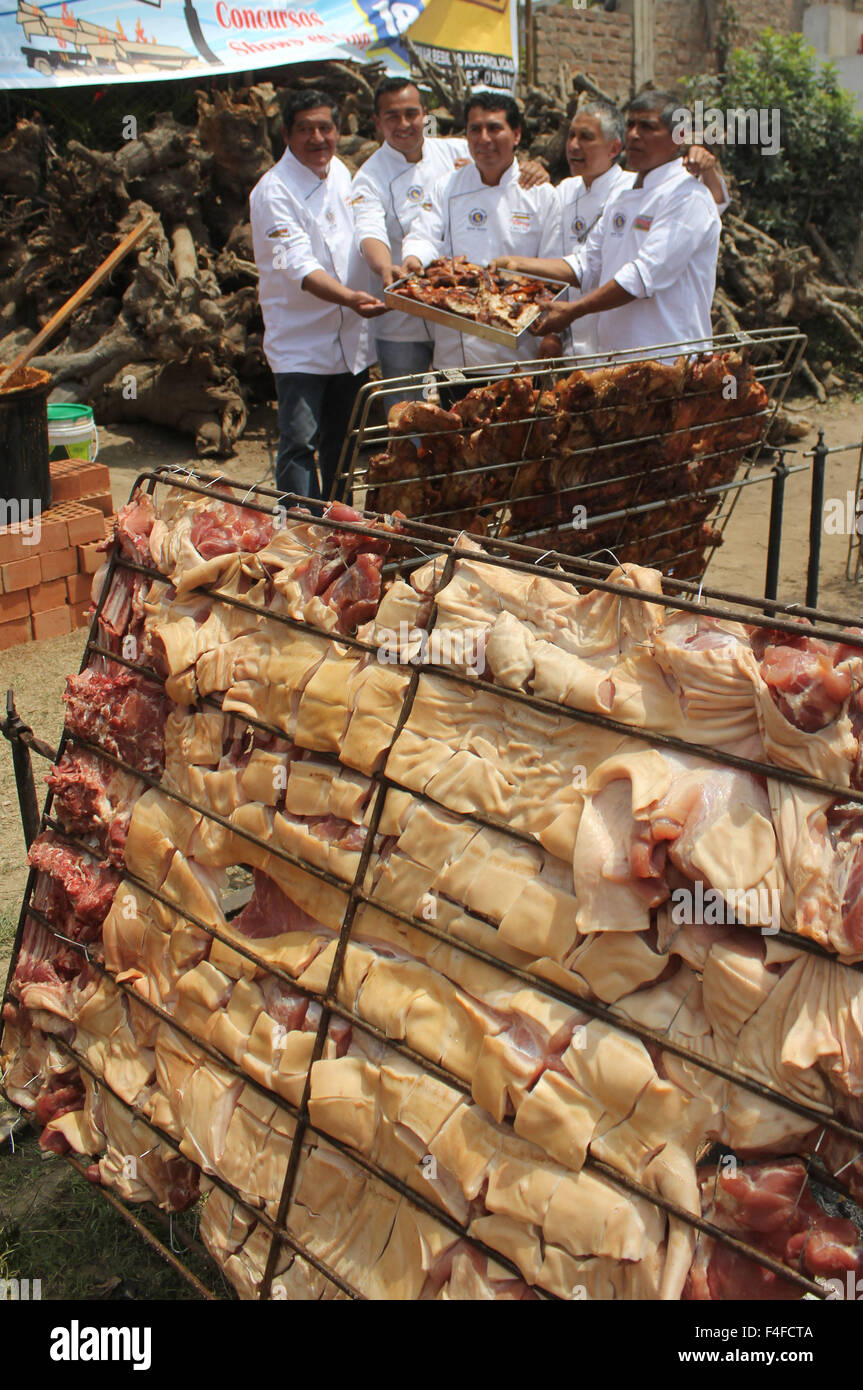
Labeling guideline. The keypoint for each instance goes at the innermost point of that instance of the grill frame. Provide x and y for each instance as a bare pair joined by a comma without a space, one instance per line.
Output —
582,574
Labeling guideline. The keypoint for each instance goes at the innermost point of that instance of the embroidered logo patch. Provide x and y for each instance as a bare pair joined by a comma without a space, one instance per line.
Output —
643,224
578,226
477,217
278,231
619,221
414,193
331,216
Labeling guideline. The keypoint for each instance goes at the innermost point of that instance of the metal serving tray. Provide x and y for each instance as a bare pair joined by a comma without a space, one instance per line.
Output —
464,325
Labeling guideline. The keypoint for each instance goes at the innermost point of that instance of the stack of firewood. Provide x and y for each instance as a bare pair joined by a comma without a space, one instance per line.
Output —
174,335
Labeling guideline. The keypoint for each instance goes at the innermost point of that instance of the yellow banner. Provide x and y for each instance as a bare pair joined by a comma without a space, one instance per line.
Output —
479,36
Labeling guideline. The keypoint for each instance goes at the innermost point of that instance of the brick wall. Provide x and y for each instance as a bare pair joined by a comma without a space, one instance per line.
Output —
682,35
595,43
599,44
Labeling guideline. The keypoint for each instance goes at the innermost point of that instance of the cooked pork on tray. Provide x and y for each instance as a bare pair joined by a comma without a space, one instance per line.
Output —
476,292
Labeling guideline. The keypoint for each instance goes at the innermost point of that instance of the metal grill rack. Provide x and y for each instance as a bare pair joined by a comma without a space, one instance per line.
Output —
617,474
420,542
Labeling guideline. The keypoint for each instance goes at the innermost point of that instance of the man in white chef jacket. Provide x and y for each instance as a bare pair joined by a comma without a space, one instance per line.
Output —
387,195
315,339
482,211
648,268
594,142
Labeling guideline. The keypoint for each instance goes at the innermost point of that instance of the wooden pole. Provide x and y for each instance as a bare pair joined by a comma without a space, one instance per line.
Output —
77,299
529,55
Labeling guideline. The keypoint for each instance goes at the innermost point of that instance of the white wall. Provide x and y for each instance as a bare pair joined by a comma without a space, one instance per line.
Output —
835,33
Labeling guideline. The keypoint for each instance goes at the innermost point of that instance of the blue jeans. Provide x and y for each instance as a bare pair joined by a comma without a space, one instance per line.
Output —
403,359
314,411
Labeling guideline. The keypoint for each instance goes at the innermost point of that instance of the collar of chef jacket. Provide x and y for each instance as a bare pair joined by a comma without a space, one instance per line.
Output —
300,180
665,173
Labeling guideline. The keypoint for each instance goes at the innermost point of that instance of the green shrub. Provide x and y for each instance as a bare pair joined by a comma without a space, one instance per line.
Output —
817,175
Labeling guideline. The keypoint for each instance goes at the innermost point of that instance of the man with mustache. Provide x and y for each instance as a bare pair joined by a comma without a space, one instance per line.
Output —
646,265
315,339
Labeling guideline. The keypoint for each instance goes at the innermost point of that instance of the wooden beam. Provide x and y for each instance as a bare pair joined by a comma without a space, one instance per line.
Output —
76,300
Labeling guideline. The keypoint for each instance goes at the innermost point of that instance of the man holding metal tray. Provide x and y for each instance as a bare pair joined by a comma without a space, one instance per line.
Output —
482,211
648,268
386,196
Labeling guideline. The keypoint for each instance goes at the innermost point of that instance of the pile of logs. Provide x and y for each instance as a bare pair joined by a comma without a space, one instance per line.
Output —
174,336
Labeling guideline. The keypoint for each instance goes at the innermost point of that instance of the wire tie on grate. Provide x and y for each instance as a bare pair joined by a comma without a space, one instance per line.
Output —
848,1164
36,1077
148,1151
79,944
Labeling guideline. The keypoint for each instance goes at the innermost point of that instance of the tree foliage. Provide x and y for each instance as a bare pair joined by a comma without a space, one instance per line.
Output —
817,175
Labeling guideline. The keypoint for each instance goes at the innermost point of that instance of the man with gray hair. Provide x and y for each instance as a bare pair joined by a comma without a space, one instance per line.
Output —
595,141
648,268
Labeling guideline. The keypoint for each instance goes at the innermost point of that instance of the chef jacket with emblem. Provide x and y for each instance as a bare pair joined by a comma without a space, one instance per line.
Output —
660,243
302,223
466,217
386,196
580,210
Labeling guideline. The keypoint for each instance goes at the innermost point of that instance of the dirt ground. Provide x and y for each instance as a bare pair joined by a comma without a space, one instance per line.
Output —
37,672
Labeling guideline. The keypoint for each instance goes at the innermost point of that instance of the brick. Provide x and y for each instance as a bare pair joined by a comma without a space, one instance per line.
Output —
58,563
84,523
67,479
89,558
12,545
95,478
54,623
78,587
13,634
15,606
101,502
80,614
21,574
44,597
53,533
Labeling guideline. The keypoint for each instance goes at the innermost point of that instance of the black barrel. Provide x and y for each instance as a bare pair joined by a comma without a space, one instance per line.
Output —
24,475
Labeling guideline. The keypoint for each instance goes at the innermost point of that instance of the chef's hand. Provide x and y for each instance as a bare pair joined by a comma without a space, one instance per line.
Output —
555,320
699,161
366,305
389,275
551,346
411,266
505,263
532,174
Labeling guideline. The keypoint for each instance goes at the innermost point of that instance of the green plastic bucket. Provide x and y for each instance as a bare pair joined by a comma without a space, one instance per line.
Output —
72,432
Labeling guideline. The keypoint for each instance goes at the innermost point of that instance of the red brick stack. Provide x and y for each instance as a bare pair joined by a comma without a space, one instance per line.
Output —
45,584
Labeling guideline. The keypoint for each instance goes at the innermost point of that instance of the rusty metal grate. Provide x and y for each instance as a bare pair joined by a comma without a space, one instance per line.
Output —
417,543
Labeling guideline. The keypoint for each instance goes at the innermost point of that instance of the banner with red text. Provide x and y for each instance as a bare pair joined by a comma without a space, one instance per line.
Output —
64,43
